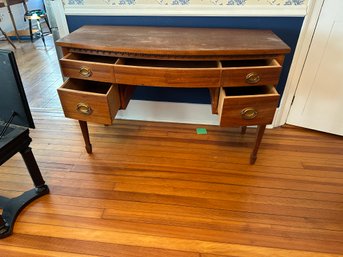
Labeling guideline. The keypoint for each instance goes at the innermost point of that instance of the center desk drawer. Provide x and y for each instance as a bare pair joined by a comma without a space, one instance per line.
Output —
250,72
89,100
89,67
243,106
167,73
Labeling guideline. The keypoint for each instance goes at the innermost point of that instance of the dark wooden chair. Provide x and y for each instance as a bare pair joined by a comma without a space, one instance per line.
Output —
14,138
18,141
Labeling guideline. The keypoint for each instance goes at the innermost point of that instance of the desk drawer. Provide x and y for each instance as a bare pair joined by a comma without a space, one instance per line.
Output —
250,72
89,67
89,101
242,106
167,73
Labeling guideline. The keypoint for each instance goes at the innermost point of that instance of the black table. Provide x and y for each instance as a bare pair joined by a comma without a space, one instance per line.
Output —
18,140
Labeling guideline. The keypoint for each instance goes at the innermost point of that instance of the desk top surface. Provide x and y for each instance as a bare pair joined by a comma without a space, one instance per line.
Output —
175,41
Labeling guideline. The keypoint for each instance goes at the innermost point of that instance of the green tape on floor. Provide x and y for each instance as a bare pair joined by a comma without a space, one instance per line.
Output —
201,131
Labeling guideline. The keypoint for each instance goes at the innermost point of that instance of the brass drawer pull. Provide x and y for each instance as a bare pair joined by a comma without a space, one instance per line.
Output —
252,78
85,72
248,113
84,109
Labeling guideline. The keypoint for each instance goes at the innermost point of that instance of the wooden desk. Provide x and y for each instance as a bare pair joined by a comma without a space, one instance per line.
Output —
240,67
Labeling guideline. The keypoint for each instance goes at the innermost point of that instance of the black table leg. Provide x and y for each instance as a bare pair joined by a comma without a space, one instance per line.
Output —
32,167
30,28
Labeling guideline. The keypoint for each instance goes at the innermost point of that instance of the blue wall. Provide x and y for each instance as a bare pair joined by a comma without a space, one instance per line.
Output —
287,28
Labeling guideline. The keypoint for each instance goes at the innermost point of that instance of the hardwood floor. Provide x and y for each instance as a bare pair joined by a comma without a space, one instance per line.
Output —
159,189
39,71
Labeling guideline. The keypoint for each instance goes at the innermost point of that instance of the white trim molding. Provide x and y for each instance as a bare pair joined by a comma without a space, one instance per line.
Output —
203,10
59,14
300,55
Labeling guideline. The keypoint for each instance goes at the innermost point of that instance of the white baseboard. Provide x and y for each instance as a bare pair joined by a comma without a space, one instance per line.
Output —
274,123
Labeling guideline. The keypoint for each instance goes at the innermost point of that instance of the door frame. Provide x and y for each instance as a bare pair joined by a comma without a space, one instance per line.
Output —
303,46
60,17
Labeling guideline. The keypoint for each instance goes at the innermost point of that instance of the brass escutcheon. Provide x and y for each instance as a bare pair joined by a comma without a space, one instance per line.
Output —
252,78
85,72
248,113
84,108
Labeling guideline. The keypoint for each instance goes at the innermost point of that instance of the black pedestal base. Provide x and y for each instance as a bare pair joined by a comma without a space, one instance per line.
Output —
12,208
18,140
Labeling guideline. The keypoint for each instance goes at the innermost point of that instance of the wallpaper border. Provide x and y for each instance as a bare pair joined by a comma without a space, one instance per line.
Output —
152,10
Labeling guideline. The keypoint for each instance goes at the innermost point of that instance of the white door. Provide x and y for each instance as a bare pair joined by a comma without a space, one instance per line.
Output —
58,21
57,18
318,102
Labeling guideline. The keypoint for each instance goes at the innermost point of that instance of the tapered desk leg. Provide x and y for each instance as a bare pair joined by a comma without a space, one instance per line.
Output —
259,135
85,134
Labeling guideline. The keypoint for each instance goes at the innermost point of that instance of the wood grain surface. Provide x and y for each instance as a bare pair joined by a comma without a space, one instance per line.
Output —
168,40
159,189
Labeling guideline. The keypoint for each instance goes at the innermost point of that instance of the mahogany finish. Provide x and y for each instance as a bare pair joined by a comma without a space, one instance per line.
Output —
230,106
179,74
101,69
243,60
102,100
235,72
175,41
